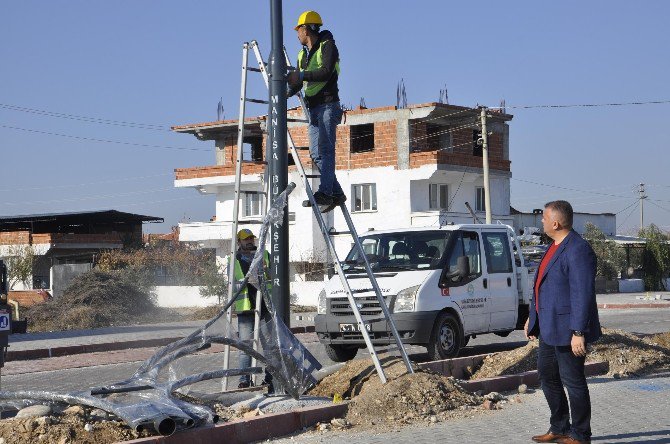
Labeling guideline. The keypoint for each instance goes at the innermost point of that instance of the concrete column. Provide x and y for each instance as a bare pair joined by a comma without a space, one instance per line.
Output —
403,135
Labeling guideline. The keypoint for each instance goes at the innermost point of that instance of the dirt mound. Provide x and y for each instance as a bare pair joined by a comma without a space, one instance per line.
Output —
519,360
403,399
629,355
626,354
204,313
409,398
65,429
96,299
662,339
348,381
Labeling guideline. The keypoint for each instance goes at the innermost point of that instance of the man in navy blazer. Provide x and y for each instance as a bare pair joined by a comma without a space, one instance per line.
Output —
563,315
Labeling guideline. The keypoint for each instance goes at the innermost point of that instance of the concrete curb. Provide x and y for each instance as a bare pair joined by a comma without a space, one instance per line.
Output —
275,425
458,368
512,382
42,353
258,428
640,305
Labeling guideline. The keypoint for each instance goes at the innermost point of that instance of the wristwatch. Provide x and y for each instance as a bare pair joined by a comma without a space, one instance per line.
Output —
578,333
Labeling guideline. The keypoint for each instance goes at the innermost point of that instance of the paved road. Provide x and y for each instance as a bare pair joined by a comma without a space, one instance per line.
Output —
624,411
638,320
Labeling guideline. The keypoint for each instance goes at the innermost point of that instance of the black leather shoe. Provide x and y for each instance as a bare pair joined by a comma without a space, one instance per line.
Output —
549,437
322,198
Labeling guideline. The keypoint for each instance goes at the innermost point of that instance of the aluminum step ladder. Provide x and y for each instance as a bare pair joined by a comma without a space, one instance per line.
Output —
351,230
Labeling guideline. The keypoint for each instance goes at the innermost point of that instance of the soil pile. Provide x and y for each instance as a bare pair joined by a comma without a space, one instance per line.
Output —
65,429
96,299
627,355
519,360
403,399
662,339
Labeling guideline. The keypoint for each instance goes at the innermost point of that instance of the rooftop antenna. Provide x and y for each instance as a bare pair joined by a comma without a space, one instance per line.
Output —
362,103
401,95
444,95
219,110
503,106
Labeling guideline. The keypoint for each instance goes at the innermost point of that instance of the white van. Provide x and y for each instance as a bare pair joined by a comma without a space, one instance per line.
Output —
442,285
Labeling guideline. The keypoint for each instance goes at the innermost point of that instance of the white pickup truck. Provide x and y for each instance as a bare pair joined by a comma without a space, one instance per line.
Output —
442,285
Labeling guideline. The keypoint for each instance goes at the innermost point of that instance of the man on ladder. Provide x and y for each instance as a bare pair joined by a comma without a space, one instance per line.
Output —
318,67
245,305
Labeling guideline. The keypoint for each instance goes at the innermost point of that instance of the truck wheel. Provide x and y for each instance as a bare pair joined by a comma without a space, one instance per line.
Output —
446,339
340,353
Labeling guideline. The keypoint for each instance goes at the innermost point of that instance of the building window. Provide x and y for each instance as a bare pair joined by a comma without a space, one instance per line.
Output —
252,203
252,149
476,146
438,196
365,197
479,199
362,138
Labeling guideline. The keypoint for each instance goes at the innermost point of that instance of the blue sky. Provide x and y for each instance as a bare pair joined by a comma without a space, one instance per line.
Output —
161,63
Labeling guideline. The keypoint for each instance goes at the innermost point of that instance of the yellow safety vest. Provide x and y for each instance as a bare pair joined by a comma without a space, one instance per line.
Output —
243,302
316,62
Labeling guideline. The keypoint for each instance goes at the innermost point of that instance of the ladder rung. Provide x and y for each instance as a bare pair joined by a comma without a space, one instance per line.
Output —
259,162
249,222
336,233
253,69
265,102
312,176
362,290
302,148
291,119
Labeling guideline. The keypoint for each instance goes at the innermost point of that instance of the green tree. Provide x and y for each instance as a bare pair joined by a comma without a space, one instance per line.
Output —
20,261
611,258
214,282
656,257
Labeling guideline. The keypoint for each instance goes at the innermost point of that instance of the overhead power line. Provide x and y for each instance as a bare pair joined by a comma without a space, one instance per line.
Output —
98,120
586,105
91,139
77,185
581,191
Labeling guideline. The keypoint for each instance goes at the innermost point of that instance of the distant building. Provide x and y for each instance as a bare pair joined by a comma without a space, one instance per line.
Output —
416,166
605,221
65,244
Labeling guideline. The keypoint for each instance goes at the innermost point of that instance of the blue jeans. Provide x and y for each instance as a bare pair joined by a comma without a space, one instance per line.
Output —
245,328
323,121
559,368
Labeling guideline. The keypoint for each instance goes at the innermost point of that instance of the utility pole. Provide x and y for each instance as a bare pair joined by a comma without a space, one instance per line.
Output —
643,196
277,157
485,161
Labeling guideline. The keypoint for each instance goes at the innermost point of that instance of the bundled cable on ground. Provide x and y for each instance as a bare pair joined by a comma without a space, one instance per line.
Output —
142,401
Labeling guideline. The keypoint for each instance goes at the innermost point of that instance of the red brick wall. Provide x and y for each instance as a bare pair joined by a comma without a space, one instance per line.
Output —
14,237
461,152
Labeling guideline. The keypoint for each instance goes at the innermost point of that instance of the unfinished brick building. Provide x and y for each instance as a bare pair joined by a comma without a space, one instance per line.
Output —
415,166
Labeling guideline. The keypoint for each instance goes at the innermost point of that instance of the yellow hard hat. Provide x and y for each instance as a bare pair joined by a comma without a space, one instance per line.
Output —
309,18
245,233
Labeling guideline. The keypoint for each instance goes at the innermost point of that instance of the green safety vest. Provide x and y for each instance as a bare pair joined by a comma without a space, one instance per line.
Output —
243,302
316,62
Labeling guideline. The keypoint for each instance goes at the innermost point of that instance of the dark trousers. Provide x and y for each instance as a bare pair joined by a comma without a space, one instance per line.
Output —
558,368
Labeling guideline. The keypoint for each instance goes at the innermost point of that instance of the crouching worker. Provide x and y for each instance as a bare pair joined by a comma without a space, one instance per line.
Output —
245,305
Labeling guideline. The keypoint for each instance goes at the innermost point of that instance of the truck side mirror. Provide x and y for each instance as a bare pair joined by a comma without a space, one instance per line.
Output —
462,271
463,266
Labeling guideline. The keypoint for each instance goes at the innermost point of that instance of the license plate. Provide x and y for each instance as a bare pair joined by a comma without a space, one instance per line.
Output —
346,328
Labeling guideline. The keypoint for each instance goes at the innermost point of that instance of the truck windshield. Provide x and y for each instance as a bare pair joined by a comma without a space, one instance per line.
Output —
409,250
